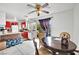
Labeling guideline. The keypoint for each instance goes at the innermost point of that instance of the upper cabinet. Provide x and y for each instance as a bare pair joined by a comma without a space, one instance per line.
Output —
2,19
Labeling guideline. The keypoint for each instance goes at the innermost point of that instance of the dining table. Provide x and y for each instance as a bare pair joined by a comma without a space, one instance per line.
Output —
54,45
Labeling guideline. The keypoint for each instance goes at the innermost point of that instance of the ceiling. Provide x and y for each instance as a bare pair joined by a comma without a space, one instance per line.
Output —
20,10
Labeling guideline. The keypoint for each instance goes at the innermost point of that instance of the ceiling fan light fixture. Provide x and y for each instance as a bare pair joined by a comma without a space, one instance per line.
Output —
38,13
39,8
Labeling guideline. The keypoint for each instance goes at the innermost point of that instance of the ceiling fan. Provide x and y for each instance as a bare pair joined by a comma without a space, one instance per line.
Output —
38,8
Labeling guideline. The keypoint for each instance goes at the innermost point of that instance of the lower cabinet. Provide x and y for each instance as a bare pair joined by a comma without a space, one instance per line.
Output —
7,41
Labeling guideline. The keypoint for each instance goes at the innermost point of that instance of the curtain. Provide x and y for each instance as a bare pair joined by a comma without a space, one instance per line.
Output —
45,25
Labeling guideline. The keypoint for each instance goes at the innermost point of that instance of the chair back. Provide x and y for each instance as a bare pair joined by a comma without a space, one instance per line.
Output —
41,35
65,35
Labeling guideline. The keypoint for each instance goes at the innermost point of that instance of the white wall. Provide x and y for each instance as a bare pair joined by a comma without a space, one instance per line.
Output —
76,24
62,22
67,21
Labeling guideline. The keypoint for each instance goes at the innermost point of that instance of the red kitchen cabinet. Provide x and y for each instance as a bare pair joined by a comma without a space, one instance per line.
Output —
8,24
25,34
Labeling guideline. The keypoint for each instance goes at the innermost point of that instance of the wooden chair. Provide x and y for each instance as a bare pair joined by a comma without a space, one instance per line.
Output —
41,51
67,35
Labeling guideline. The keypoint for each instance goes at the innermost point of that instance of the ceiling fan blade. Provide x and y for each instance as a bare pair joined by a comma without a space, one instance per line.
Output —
45,5
45,11
30,5
31,12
